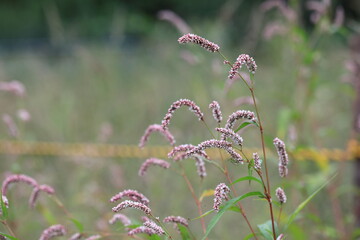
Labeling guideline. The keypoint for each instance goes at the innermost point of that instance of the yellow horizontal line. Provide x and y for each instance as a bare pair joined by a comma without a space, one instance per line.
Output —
133,151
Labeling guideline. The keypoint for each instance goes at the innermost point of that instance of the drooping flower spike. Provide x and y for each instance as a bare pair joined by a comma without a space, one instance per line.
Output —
241,114
214,105
152,225
156,128
118,217
131,204
133,195
141,229
220,193
229,133
35,193
176,152
176,219
192,38
53,231
176,105
152,161
243,59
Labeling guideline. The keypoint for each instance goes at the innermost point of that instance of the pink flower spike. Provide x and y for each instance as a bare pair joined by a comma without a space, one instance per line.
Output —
192,38
35,193
133,195
176,105
53,231
156,128
120,217
280,148
243,59
257,161
132,204
200,166
141,229
176,219
94,237
214,105
152,161
229,133
152,225
283,171
241,114
220,193
177,155
280,194
14,178
75,236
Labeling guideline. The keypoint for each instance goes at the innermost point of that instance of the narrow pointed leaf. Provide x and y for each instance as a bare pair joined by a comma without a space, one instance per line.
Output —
77,224
8,236
203,215
244,124
248,236
184,232
250,178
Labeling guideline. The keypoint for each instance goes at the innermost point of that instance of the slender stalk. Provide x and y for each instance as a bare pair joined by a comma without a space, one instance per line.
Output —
196,199
8,228
267,188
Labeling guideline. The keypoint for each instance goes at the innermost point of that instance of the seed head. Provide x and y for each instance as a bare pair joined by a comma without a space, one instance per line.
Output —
192,38
152,161
182,102
156,128
214,105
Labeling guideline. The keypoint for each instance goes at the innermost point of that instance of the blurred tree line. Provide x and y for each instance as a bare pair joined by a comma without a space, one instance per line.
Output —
41,19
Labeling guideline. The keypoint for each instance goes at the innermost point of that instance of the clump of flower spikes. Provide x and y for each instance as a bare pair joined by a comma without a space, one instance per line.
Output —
213,143
152,161
220,193
131,204
120,217
214,105
53,231
176,219
229,133
241,114
176,105
156,128
283,157
243,59
152,225
16,178
133,195
280,194
192,38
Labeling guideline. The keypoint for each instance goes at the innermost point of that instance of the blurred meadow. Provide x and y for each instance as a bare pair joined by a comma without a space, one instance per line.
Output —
100,72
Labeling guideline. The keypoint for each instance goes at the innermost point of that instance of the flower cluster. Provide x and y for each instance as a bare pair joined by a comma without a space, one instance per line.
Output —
156,128
176,219
53,231
157,229
283,157
141,229
257,161
229,133
182,102
120,217
192,38
131,204
179,152
152,161
243,59
200,166
221,192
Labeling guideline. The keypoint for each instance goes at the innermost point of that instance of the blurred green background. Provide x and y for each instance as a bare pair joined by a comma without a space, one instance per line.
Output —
102,71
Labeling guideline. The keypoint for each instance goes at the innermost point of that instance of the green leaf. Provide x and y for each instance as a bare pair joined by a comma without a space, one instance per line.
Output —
203,215
78,225
184,232
248,236
244,124
266,230
250,178
227,205
4,209
306,201
154,237
8,236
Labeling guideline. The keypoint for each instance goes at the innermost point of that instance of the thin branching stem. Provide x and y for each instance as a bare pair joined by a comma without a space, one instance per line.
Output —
4,222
